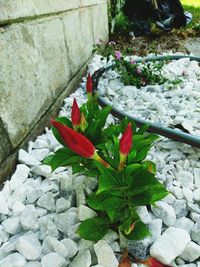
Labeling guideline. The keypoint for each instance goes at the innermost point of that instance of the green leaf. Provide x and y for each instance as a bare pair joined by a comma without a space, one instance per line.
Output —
139,232
131,169
141,155
95,201
150,166
62,157
93,229
143,129
77,168
64,121
131,156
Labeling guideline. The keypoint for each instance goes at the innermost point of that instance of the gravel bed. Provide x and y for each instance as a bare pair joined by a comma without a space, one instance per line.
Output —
41,210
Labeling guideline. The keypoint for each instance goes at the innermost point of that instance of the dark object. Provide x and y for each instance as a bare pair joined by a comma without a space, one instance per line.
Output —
143,13
173,134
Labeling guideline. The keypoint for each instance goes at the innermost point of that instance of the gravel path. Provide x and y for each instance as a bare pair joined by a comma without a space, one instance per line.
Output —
41,210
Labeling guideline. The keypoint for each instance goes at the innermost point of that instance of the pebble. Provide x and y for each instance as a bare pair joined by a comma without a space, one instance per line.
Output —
175,240
43,170
27,159
12,225
143,214
195,232
165,212
185,178
29,246
185,224
33,264
139,249
51,244
155,228
196,195
85,213
20,176
105,254
70,246
62,204
197,177
13,260
3,206
39,154
53,259
28,217
180,208
47,201
18,207
82,259
191,252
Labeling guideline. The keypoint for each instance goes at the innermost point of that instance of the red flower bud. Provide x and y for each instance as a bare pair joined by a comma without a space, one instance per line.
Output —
89,84
76,114
75,141
151,262
126,141
125,145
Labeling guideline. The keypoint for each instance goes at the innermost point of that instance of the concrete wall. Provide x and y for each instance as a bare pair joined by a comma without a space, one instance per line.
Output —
44,47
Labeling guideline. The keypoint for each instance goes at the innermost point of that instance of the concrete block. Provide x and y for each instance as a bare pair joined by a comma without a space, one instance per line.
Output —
34,67
79,36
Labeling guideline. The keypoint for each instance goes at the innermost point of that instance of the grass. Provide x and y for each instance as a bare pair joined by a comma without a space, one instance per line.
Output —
193,6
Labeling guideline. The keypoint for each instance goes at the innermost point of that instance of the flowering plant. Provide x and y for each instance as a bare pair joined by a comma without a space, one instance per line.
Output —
116,155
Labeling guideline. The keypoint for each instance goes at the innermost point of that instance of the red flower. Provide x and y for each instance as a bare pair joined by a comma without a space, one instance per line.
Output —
125,145
89,84
76,114
151,262
126,141
75,141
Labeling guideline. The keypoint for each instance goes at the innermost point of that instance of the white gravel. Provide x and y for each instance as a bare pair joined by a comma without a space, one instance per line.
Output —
38,215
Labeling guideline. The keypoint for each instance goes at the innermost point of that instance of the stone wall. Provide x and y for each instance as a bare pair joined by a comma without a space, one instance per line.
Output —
44,48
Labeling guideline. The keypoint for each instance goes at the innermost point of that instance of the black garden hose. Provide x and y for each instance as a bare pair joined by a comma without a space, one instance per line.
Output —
160,129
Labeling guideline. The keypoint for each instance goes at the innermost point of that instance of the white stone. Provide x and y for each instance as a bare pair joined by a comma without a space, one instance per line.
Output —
33,264
47,227
20,176
62,204
47,201
188,194
105,254
143,214
27,159
194,216
196,194
54,245
195,232
177,191
3,205
12,225
185,178
39,154
33,194
191,252
185,224
29,246
85,213
13,260
83,259
53,259
71,246
169,199
43,170
165,212
170,245
6,190
28,217
197,177
40,143
18,207
155,228
110,237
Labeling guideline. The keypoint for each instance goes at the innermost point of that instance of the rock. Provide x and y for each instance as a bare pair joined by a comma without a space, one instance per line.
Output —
62,204
180,208
40,211
155,228
177,191
13,260
3,206
185,224
20,176
110,237
169,199
84,245
51,244
12,225
64,221
18,207
85,213
70,246
47,227
195,232
39,154
82,259
139,249
33,194
40,143
42,170
33,264
66,183
80,196
165,212
193,207
188,194
47,201
27,159
105,254
196,194
143,214
115,247
28,217
191,252
53,259
185,178
170,245
29,246
197,177
194,216
6,190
